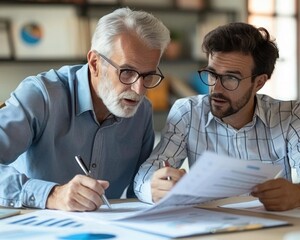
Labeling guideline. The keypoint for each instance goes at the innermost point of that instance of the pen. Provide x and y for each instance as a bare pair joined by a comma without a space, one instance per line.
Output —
87,173
165,163
278,174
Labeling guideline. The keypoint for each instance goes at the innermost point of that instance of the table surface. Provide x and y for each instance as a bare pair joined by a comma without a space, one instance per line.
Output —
277,233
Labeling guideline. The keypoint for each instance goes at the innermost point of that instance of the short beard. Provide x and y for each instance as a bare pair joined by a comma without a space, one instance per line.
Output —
112,100
233,108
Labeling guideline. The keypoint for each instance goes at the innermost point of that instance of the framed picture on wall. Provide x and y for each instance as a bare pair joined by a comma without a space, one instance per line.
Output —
52,32
5,39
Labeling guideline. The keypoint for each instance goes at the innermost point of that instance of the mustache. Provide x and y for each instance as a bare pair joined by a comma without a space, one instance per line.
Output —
218,95
131,95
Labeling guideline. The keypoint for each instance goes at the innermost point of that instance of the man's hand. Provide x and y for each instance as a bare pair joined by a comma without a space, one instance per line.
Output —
278,194
160,186
82,193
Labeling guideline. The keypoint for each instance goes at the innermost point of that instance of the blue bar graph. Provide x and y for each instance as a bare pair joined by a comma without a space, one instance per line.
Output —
48,222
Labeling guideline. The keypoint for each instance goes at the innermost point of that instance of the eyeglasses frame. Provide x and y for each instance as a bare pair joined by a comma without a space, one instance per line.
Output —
119,69
220,77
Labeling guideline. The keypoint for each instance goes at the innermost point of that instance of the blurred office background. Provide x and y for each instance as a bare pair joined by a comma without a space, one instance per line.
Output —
36,36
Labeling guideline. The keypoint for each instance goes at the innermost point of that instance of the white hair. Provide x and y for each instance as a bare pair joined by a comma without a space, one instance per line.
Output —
147,27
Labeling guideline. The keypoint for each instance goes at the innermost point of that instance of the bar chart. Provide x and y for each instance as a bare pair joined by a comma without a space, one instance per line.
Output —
45,221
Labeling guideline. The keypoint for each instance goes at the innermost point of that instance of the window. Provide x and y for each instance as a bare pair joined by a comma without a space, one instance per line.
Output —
279,17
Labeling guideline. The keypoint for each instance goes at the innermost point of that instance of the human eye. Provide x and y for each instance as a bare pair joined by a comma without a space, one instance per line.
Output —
127,74
230,78
151,80
150,77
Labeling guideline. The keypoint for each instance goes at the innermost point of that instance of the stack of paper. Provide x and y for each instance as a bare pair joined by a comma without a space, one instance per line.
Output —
211,177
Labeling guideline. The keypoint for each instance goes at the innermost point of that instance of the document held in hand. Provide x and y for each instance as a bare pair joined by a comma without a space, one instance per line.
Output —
211,177
215,176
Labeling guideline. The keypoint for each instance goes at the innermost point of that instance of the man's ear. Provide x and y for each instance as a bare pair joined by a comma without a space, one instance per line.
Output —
260,81
93,62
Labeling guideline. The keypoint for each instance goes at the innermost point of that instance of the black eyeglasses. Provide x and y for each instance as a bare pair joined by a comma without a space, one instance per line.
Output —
228,81
129,76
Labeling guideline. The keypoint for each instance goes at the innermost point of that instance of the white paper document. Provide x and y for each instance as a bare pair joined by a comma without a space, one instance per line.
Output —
171,223
106,223
104,214
54,225
257,206
191,221
213,177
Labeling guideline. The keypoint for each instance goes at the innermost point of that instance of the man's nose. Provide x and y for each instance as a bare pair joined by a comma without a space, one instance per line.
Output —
138,86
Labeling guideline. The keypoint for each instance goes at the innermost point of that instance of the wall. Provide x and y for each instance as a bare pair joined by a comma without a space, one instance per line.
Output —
240,6
12,73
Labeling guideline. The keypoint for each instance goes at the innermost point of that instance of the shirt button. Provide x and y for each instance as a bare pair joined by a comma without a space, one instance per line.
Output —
11,204
32,198
94,165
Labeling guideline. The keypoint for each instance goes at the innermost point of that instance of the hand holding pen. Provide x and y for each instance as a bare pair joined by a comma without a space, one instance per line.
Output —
81,193
87,173
166,164
164,179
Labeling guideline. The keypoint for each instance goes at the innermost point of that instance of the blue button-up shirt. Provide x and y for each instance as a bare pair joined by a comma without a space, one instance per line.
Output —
48,120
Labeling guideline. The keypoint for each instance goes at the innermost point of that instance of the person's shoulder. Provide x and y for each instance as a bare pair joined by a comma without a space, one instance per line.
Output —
51,81
52,76
146,103
272,111
64,73
144,108
268,102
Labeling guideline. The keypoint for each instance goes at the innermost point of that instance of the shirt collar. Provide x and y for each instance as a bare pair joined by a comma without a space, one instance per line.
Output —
82,91
210,117
83,95
258,112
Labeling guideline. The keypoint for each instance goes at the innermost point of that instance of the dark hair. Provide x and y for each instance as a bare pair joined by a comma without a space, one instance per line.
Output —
245,38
